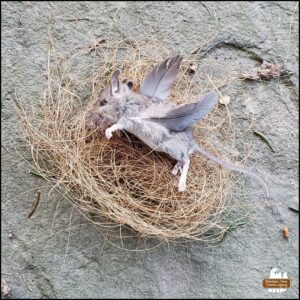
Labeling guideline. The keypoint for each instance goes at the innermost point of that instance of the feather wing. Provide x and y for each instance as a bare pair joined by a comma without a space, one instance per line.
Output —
158,82
186,115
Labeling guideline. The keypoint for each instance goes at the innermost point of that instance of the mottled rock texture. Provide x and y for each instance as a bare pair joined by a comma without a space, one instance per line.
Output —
75,262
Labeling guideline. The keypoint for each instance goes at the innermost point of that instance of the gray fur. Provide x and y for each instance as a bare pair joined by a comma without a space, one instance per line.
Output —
159,123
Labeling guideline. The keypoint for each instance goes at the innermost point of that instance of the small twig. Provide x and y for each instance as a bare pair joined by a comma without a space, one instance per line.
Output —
95,45
5,33
264,138
40,175
210,36
290,31
68,242
208,10
121,236
77,19
294,209
28,286
35,204
127,40
231,227
5,148
36,174
16,102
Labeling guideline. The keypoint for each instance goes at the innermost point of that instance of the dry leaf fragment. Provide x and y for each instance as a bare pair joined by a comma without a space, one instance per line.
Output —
36,203
285,232
192,68
92,47
5,288
224,100
265,71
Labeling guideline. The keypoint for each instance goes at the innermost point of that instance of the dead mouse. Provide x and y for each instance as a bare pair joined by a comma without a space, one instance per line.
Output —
158,122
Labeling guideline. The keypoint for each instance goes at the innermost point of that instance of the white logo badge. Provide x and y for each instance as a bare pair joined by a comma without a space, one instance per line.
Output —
275,273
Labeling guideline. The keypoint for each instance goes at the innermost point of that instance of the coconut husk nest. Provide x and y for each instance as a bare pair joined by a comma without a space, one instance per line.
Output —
122,181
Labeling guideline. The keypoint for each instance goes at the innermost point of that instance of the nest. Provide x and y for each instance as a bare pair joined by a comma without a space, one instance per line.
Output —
122,181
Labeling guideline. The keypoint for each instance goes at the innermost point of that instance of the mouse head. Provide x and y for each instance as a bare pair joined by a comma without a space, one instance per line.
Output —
110,104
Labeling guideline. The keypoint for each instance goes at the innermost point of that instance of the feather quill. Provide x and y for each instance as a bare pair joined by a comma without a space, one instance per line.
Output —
158,82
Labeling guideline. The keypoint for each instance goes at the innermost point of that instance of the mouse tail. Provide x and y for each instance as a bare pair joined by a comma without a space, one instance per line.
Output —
233,167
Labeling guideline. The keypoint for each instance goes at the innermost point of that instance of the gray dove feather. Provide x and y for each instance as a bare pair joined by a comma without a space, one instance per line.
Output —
158,82
186,115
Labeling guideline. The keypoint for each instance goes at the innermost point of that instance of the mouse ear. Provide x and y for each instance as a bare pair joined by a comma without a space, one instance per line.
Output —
115,83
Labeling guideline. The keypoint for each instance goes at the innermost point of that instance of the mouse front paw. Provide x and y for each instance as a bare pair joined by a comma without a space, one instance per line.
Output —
108,133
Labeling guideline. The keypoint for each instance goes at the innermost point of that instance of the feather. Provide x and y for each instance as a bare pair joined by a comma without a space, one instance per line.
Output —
186,115
158,82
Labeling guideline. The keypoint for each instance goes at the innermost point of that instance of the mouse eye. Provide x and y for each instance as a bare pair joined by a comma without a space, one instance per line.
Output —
102,102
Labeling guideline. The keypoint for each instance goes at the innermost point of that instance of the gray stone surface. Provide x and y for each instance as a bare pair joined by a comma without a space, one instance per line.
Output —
52,256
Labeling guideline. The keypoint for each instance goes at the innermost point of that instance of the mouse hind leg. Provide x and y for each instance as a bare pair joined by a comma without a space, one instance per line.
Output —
180,147
183,166
183,176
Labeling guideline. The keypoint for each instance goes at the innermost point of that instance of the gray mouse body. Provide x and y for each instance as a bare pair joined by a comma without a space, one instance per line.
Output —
155,120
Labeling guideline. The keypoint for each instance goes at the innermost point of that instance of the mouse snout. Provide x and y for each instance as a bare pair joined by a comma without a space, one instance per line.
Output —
94,119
